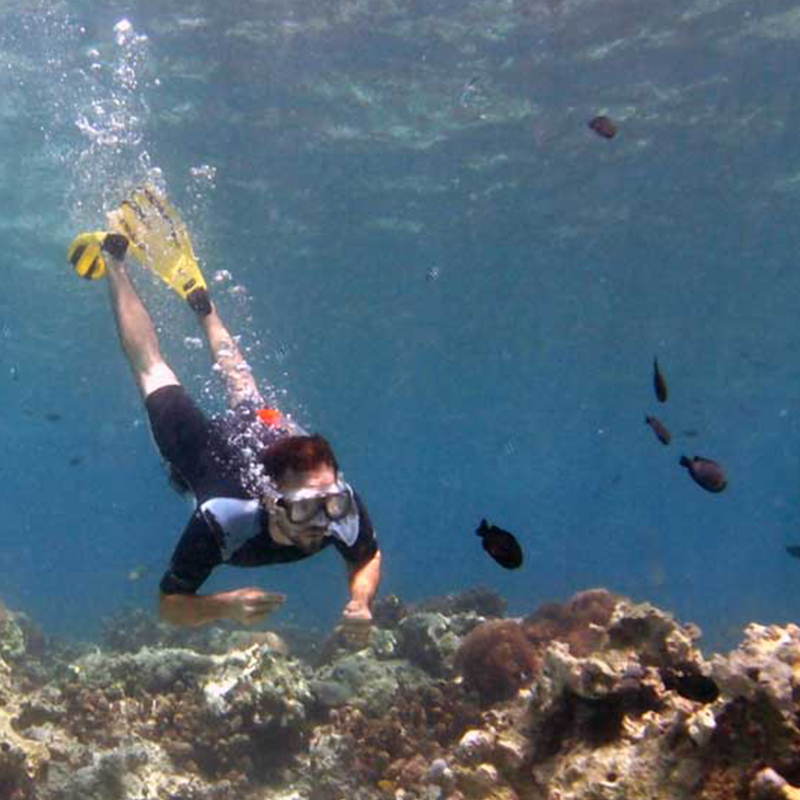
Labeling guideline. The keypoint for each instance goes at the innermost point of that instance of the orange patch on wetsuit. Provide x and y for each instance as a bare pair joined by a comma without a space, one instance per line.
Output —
270,416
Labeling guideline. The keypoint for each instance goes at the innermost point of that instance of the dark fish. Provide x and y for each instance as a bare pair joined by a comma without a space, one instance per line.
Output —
705,473
692,686
793,550
603,126
659,428
501,545
52,416
659,384
75,461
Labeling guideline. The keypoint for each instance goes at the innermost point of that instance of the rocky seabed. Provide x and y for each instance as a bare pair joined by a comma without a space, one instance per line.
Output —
596,698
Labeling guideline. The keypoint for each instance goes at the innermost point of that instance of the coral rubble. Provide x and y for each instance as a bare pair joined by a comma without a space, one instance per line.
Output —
596,698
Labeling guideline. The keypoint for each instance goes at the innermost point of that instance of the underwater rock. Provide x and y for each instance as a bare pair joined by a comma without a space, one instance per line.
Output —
758,714
397,747
13,641
148,670
363,681
384,644
430,640
603,724
244,640
766,664
768,785
476,745
330,758
479,600
23,760
388,611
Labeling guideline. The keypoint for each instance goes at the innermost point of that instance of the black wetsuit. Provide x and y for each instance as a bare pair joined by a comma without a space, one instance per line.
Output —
214,458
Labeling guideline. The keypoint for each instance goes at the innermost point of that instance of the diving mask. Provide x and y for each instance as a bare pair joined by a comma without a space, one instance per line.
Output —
303,505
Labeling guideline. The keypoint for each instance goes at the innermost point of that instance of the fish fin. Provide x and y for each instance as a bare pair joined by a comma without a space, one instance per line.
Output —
482,528
685,462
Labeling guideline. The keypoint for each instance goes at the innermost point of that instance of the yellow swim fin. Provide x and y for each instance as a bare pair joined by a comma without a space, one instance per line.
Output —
159,240
86,252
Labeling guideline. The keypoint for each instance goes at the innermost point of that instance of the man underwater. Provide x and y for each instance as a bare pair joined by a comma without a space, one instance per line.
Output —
266,492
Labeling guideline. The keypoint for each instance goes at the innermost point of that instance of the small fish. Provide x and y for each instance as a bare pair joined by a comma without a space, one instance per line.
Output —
793,550
469,87
659,383
75,461
705,473
603,126
659,428
432,275
501,545
137,573
52,416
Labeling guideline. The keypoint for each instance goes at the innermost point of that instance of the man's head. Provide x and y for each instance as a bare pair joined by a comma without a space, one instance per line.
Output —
311,493
298,455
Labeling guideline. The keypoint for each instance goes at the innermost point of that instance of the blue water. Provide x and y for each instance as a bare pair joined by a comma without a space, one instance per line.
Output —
436,264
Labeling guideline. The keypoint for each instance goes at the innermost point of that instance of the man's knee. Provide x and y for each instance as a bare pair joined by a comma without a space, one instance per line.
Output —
155,377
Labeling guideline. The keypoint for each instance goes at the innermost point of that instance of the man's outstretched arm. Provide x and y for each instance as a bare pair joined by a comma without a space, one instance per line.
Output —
247,606
364,580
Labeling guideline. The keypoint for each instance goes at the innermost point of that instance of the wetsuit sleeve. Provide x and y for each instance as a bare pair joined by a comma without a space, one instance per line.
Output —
366,544
195,556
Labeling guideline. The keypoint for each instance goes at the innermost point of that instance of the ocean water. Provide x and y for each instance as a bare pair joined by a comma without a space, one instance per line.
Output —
436,264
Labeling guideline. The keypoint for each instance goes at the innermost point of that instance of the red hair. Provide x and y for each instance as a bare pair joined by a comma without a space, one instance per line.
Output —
299,454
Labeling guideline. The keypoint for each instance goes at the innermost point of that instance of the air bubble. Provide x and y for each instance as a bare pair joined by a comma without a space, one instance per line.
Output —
205,171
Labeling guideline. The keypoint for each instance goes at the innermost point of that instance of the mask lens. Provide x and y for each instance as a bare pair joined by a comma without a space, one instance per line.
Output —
337,505
301,511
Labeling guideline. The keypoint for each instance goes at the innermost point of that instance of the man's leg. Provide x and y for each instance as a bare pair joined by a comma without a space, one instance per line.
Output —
137,333
238,376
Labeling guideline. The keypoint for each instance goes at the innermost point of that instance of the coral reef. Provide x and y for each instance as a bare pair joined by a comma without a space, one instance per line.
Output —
597,698
479,600
431,640
497,659
580,623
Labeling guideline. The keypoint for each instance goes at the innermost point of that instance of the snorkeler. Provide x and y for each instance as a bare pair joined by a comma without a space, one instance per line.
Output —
265,490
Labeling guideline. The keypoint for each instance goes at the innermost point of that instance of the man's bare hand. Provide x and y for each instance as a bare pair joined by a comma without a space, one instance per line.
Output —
356,624
250,606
